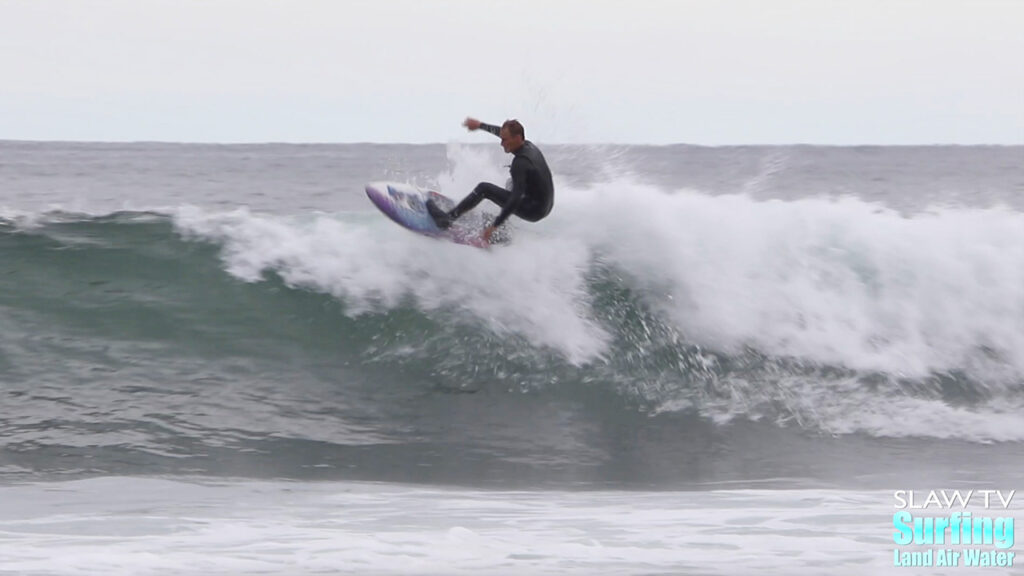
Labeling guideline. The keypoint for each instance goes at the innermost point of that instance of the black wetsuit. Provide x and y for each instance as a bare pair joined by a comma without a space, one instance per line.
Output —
532,194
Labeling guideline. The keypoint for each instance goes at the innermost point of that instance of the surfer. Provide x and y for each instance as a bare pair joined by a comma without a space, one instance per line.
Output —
532,193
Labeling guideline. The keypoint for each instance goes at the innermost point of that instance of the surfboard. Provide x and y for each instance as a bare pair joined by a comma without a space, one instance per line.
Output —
405,204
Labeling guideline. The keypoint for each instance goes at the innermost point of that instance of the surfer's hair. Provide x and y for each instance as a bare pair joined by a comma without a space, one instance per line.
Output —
514,128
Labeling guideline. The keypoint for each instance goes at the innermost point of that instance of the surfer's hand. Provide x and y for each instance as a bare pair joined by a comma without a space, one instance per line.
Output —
471,123
487,234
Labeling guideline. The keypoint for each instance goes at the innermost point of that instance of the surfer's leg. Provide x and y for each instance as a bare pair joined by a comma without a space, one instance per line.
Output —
483,191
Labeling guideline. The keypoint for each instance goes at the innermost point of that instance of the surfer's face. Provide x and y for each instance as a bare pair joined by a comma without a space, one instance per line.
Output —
510,143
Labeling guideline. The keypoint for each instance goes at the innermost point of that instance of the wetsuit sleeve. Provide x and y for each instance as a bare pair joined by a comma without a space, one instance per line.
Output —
519,169
496,130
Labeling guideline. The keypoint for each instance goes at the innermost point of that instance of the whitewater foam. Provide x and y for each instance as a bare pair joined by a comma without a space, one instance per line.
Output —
154,526
372,265
834,282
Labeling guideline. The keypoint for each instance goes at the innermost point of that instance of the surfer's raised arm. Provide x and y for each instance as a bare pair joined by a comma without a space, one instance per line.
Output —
474,124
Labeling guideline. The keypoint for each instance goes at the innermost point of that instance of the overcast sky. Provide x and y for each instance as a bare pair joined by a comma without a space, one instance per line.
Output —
638,71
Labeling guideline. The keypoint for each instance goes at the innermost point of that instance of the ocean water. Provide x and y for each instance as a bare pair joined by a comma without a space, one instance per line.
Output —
221,359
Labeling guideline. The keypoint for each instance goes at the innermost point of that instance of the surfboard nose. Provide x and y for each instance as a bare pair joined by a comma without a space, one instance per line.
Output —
375,189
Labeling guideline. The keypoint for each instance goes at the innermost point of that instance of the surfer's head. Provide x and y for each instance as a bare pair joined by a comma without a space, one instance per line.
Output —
512,136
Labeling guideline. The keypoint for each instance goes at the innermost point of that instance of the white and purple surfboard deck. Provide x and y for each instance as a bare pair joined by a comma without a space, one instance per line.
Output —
406,205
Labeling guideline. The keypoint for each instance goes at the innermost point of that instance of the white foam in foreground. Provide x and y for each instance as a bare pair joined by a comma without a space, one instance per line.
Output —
136,526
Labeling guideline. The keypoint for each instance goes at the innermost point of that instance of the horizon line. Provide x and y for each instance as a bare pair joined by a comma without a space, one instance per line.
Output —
546,143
